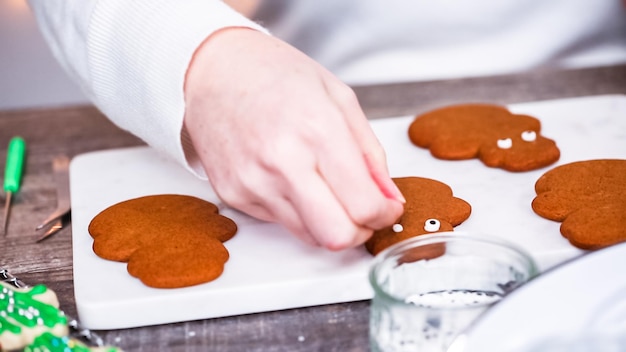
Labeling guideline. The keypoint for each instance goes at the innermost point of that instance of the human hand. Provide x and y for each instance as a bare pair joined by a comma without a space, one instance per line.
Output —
285,141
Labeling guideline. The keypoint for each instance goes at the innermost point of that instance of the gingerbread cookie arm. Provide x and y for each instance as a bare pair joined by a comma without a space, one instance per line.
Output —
587,227
454,149
197,261
421,132
550,205
459,211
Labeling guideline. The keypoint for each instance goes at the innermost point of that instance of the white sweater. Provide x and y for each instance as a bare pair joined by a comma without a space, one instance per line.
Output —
130,56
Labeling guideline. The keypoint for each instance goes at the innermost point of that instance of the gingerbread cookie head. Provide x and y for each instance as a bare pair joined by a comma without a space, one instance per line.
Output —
430,207
490,133
168,240
589,198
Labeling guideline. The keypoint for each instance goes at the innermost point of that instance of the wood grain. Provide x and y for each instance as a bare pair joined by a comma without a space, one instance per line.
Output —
417,97
339,327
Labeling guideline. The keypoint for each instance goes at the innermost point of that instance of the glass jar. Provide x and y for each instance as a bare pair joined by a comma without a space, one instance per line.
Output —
429,288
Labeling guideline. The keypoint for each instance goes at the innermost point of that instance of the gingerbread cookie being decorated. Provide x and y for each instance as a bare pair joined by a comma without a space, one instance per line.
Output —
430,207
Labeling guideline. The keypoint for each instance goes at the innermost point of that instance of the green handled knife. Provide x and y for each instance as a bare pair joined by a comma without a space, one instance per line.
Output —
13,174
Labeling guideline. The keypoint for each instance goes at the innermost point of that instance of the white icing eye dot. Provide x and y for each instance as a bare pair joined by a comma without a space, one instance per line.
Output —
505,143
397,228
432,225
529,136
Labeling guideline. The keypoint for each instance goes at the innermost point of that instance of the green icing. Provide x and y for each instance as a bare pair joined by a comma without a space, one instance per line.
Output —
19,309
38,289
48,342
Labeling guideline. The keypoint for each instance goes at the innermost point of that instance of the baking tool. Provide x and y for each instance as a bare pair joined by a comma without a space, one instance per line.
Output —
76,329
60,167
12,174
270,270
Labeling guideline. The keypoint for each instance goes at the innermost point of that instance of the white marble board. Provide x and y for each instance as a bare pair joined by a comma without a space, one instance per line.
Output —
270,270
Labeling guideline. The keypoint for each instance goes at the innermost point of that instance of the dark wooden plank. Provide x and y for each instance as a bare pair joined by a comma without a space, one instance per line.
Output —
413,98
48,132
341,327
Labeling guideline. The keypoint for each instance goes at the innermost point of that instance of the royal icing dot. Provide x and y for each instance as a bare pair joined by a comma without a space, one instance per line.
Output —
397,228
505,143
529,136
432,225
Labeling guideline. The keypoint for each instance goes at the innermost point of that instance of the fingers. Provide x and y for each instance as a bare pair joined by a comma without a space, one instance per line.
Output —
309,209
334,193
346,172
291,145
369,195
281,210
325,218
317,183
259,193
360,128
287,188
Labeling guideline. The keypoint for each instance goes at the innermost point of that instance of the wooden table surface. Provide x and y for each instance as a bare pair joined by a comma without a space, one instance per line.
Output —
337,327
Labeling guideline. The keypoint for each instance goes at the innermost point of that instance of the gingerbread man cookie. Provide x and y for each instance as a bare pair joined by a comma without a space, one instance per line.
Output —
490,133
168,240
430,207
589,198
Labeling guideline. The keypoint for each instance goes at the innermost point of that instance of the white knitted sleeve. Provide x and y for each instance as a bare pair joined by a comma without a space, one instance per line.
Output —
131,56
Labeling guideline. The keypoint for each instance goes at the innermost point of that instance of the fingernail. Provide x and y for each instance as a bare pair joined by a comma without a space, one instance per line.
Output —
391,191
397,195
384,182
